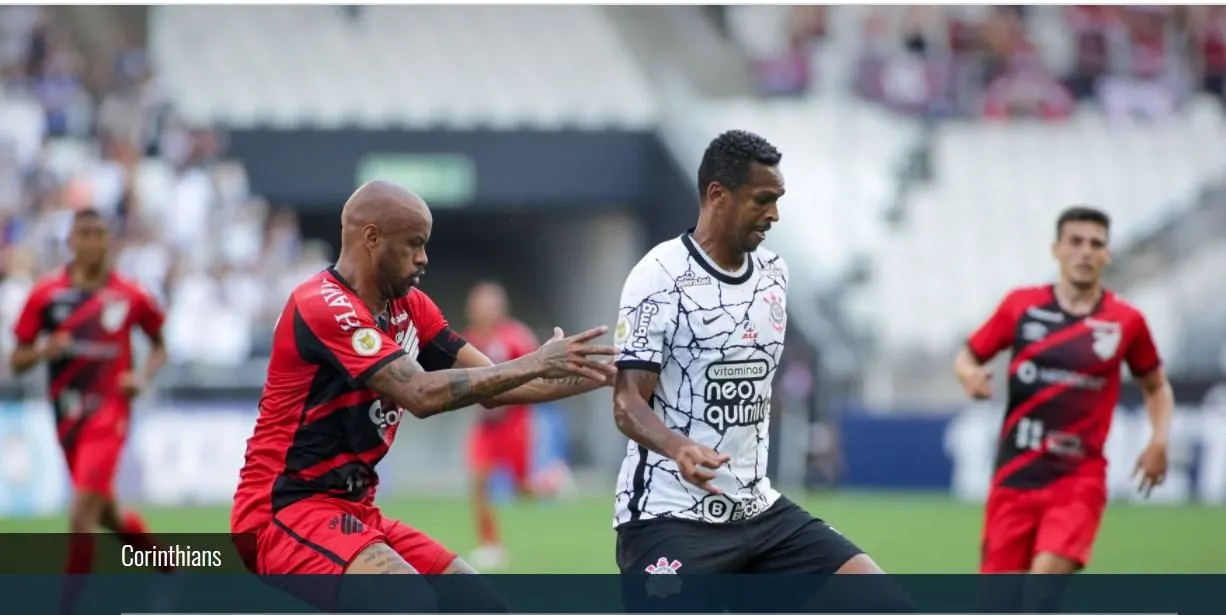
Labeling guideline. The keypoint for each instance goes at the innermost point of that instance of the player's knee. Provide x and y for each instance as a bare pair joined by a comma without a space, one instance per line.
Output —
86,512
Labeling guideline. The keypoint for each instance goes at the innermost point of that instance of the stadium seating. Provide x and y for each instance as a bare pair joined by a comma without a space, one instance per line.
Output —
986,221
840,163
396,65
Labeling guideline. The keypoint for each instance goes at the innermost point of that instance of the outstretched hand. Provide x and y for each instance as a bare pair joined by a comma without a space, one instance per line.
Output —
562,356
697,464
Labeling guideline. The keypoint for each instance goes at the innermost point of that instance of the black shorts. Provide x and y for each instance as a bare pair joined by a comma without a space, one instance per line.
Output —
784,539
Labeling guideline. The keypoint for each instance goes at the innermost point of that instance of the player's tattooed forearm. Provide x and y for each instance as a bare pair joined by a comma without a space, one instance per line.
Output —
461,385
403,369
465,392
382,559
566,381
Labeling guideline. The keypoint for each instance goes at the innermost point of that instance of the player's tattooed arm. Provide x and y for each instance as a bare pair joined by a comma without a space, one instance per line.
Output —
635,418
537,391
425,393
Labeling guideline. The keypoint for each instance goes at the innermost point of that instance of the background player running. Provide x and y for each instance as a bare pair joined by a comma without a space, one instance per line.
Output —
356,347
85,314
700,333
1067,342
502,435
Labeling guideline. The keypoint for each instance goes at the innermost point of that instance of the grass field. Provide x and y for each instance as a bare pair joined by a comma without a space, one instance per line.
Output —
904,533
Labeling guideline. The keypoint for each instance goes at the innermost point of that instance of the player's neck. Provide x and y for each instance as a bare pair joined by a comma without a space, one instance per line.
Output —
366,289
1077,300
89,277
707,235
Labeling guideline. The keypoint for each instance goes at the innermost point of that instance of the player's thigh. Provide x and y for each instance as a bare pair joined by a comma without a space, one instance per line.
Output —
314,537
482,450
787,539
1010,528
93,462
1071,519
423,553
516,451
655,556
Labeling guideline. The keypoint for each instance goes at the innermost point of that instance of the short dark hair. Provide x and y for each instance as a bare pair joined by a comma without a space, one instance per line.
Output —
88,213
1082,213
729,156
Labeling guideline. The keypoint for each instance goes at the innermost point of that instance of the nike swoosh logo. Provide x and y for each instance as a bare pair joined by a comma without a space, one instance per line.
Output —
707,321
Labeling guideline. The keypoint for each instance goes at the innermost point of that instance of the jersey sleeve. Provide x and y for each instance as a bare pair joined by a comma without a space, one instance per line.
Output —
646,318
30,321
1142,354
438,342
149,314
344,337
995,334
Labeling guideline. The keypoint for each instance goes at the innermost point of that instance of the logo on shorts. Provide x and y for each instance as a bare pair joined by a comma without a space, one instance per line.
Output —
367,342
347,524
663,586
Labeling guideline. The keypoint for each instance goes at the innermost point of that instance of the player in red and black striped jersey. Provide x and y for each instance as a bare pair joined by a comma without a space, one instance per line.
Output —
85,313
356,347
1068,342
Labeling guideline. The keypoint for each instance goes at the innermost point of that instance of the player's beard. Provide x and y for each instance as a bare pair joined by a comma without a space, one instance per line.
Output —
392,285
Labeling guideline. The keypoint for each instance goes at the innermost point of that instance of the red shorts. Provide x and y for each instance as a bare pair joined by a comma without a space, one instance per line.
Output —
322,536
1061,519
506,443
94,451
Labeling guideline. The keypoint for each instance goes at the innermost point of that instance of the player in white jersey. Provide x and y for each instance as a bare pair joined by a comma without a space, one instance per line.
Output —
699,336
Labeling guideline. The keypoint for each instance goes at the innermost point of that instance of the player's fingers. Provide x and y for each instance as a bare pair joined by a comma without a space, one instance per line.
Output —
596,350
714,460
590,334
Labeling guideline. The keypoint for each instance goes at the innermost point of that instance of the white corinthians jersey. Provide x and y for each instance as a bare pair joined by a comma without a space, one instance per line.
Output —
715,338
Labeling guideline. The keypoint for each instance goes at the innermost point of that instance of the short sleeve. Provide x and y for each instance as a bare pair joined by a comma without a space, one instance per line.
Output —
646,319
426,315
149,315
342,336
1142,354
30,321
995,334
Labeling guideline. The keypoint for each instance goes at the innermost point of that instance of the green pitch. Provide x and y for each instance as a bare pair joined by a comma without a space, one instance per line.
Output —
904,533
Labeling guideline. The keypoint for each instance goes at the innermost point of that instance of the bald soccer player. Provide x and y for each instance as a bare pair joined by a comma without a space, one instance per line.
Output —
356,348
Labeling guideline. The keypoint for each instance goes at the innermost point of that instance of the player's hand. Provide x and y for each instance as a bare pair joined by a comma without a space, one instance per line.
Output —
574,356
1151,467
57,345
976,382
130,385
697,464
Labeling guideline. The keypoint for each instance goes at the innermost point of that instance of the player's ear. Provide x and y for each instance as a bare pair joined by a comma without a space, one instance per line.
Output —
370,234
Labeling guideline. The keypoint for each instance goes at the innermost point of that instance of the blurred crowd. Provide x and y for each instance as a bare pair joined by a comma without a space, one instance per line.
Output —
1138,63
95,131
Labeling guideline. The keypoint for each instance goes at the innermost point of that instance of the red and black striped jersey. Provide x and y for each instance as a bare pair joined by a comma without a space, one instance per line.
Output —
100,323
1064,381
321,430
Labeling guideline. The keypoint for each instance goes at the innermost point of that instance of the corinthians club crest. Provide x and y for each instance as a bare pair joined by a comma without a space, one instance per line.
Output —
776,311
114,314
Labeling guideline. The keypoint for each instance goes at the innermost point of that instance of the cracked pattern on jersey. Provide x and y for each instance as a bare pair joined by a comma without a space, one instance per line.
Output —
717,345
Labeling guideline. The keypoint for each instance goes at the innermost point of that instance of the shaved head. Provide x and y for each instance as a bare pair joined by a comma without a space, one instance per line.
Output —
385,227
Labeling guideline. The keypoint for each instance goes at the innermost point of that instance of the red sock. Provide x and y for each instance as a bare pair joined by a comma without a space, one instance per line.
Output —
133,531
80,562
486,527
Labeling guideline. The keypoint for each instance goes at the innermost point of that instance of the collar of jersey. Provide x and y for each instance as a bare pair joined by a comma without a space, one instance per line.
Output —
704,261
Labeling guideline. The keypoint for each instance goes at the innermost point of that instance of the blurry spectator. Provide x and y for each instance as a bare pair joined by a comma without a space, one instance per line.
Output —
203,326
899,72
1027,90
1091,26
1145,82
1208,31
61,93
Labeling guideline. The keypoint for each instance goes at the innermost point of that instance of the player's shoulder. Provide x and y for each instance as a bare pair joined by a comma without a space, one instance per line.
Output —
50,282
319,291
128,285
770,263
1119,305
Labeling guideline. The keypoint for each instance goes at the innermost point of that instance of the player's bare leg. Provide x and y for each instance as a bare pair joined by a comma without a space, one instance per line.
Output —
83,517
468,592
129,527
369,594
1042,593
880,594
489,553
860,564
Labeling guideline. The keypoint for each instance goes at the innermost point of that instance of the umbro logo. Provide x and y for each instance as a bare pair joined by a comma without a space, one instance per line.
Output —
347,524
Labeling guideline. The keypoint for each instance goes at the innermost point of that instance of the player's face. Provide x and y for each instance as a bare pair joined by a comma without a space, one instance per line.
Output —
400,259
1082,252
486,304
89,241
756,205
